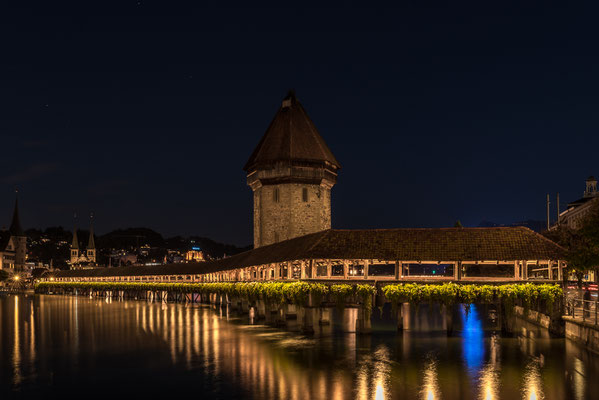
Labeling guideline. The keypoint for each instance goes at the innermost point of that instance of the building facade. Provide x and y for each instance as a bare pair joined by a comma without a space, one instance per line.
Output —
291,173
576,211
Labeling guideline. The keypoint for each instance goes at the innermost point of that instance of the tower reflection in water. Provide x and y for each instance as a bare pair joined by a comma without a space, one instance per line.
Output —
85,341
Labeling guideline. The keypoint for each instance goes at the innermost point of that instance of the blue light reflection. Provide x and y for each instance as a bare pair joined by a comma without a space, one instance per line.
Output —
473,339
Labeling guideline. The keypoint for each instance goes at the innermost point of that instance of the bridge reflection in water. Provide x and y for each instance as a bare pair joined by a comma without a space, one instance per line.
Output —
64,344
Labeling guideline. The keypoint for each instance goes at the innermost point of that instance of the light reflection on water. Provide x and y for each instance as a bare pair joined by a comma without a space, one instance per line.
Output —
430,386
65,345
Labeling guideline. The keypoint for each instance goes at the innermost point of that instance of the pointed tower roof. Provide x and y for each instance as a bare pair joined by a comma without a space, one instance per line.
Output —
15,225
75,244
291,136
91,244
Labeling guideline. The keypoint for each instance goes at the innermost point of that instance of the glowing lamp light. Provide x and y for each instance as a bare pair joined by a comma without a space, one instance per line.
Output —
16,277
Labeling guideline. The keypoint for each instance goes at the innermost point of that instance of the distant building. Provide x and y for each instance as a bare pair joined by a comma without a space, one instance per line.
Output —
13,245
291,173
81,259
195,254
575,212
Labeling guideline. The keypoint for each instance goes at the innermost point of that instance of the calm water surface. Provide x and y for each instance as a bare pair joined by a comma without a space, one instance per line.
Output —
80,347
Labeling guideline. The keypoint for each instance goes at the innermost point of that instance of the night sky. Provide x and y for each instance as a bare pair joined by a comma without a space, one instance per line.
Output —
145,112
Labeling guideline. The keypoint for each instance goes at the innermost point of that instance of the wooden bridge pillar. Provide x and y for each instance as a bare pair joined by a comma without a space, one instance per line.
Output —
290,311
363,324
447,318
400,317
457,272
405,316
325,316
306,317
245,306
260,310
345,269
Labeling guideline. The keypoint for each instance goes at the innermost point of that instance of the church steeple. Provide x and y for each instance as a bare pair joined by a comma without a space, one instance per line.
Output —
91,244
15,225
75,245
19,238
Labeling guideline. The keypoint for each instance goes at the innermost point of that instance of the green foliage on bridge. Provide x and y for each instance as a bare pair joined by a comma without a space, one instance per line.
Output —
271,292
451,293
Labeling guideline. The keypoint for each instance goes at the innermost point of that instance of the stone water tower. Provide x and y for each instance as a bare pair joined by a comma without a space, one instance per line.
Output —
291,173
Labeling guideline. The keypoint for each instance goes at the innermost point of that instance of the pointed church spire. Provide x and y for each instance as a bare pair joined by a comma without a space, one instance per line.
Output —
75,244
91,244
15,226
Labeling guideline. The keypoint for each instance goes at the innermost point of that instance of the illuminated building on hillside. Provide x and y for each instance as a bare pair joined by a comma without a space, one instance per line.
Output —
195,254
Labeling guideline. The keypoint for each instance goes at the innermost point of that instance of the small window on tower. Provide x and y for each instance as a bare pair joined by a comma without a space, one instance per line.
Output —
305,195
276,237
275,195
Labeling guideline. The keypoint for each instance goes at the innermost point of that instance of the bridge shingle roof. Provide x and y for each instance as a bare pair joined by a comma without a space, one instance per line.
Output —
425,244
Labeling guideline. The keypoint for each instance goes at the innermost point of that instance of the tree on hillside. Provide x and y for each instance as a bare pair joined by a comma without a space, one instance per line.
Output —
582,245
3,275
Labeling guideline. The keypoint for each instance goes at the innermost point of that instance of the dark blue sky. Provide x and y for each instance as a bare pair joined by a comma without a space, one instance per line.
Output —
146,111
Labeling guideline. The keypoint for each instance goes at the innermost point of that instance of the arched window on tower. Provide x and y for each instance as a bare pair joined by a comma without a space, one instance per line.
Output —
275,195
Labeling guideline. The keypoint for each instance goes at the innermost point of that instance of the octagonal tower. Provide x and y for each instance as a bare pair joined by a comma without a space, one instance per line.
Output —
291,173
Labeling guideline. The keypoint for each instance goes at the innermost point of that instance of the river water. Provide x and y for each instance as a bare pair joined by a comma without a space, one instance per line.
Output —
76,347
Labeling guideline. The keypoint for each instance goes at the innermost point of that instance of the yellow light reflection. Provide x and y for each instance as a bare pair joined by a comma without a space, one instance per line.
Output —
16,359
430,390
532,389
489,383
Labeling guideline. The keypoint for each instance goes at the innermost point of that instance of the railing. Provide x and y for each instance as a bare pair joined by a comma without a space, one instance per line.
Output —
583,310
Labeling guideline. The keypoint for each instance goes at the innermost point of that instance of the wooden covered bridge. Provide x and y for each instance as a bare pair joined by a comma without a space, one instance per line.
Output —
395,255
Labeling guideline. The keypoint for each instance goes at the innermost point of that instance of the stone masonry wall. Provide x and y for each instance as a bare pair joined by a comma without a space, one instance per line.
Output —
291,216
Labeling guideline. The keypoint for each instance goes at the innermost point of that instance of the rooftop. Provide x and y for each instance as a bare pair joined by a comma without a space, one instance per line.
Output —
426,244
291,136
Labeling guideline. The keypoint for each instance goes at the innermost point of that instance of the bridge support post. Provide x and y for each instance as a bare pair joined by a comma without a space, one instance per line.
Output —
306,318
363,322
447,318
290,311
400,317
245,306
406,310
325,316
260,310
